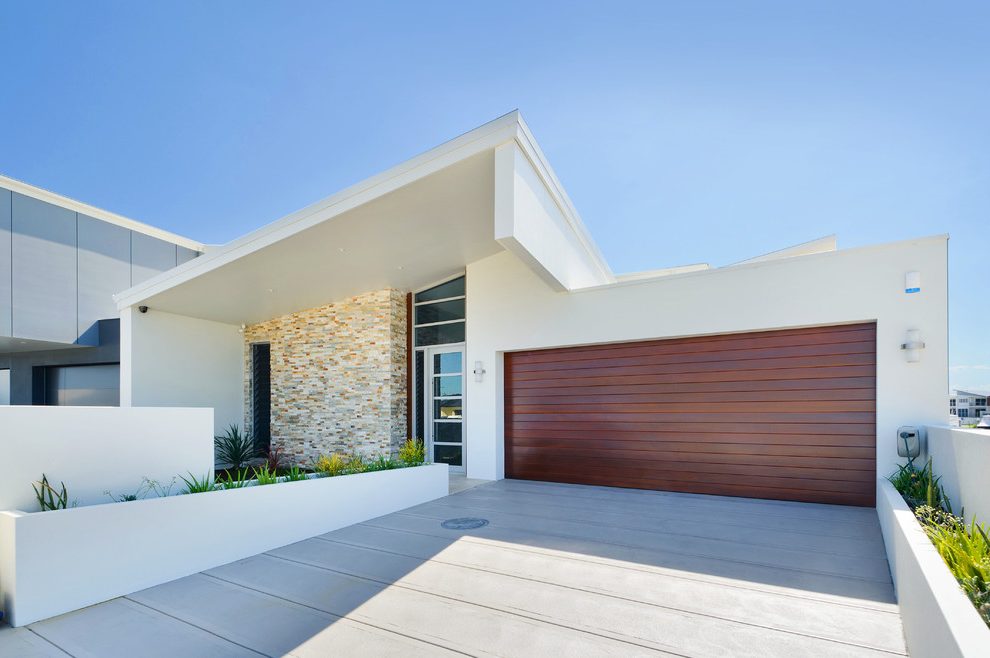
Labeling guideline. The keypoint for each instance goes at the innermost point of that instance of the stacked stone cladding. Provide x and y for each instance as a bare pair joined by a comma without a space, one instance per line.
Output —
338,377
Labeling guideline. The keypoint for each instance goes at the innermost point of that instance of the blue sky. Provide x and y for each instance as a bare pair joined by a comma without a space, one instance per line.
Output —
691,131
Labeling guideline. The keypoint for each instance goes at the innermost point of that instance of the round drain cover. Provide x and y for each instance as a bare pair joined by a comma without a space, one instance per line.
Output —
465,523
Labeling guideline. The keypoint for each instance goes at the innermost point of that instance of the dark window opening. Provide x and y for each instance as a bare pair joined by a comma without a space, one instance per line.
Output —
261,395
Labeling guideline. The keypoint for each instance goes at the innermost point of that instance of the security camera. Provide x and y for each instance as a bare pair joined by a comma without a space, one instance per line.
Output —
143,309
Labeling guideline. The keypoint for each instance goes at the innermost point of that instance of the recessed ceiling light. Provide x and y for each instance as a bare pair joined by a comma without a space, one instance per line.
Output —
340,249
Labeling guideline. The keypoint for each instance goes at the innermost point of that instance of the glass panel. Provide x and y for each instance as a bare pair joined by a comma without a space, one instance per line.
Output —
447,386
447,455
447,432
453,288
448,409
447,363
440,334
419,391
440,312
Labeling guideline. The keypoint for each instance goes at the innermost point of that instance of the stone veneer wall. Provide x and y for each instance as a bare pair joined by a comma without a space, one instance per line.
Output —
338,377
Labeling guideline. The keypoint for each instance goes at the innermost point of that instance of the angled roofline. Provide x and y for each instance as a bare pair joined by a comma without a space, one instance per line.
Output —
47,196
486,137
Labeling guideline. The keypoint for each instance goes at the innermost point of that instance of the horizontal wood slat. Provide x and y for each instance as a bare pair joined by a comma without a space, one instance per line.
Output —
787,415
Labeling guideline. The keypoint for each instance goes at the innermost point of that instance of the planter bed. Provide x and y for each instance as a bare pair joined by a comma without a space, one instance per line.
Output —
939,620
58,561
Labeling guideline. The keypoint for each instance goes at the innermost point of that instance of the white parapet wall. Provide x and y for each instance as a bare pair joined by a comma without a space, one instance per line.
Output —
98,449
56,562
939,620
962,459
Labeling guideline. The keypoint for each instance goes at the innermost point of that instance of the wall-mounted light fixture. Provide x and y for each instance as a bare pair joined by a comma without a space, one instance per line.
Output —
912,346
912,282
479,371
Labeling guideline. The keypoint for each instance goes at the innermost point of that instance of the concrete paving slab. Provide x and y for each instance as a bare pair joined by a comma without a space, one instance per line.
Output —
269,624
816,538
786,610
24,643
124,628
866,566
447,622
664,627
560,570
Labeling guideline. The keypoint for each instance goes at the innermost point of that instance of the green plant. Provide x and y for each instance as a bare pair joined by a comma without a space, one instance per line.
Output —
265,475
330,466
237,480
146,488
381,463
48,497
199,485
966,551
295,474
412,452
919,487
356,464
235,447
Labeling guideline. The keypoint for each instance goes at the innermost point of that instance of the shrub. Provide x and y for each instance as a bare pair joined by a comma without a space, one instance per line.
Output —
355,464
199,485
919,487
331,466
146,488
237,480
412,452
234,447
295,474
265,475
966,550
273,459
48,497
381,463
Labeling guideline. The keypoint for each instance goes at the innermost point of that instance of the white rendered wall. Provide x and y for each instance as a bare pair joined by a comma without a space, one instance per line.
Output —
530,224
169,360
511,308
962,459
939,620
55,562
95,449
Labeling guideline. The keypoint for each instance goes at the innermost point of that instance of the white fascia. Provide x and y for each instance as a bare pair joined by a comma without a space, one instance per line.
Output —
41,194
505,129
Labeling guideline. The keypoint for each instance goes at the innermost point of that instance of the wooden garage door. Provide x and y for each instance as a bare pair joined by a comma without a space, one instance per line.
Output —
788,415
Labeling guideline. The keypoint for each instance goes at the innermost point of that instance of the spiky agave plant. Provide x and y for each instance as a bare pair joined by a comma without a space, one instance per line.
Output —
235,447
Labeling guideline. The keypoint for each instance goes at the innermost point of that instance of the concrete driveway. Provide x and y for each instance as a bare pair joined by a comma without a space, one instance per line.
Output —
560,570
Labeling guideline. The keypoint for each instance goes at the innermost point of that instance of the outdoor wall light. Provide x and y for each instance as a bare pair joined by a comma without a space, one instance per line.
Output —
912,346
479,371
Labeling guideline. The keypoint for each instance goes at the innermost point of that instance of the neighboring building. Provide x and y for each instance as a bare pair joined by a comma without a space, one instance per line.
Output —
968,405
458,298
61,262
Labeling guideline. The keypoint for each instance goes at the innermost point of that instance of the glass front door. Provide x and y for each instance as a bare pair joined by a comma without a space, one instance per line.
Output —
444,410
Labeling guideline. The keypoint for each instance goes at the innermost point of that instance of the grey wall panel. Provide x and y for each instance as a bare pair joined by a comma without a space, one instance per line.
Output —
44,270
6,328
184,255
104,270
150,256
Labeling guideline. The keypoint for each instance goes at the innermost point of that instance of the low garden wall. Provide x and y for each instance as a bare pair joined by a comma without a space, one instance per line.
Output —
57,561
939,621
962,459
96,449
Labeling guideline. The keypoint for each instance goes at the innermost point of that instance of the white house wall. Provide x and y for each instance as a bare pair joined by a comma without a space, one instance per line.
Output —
530,224
510,308
169,360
